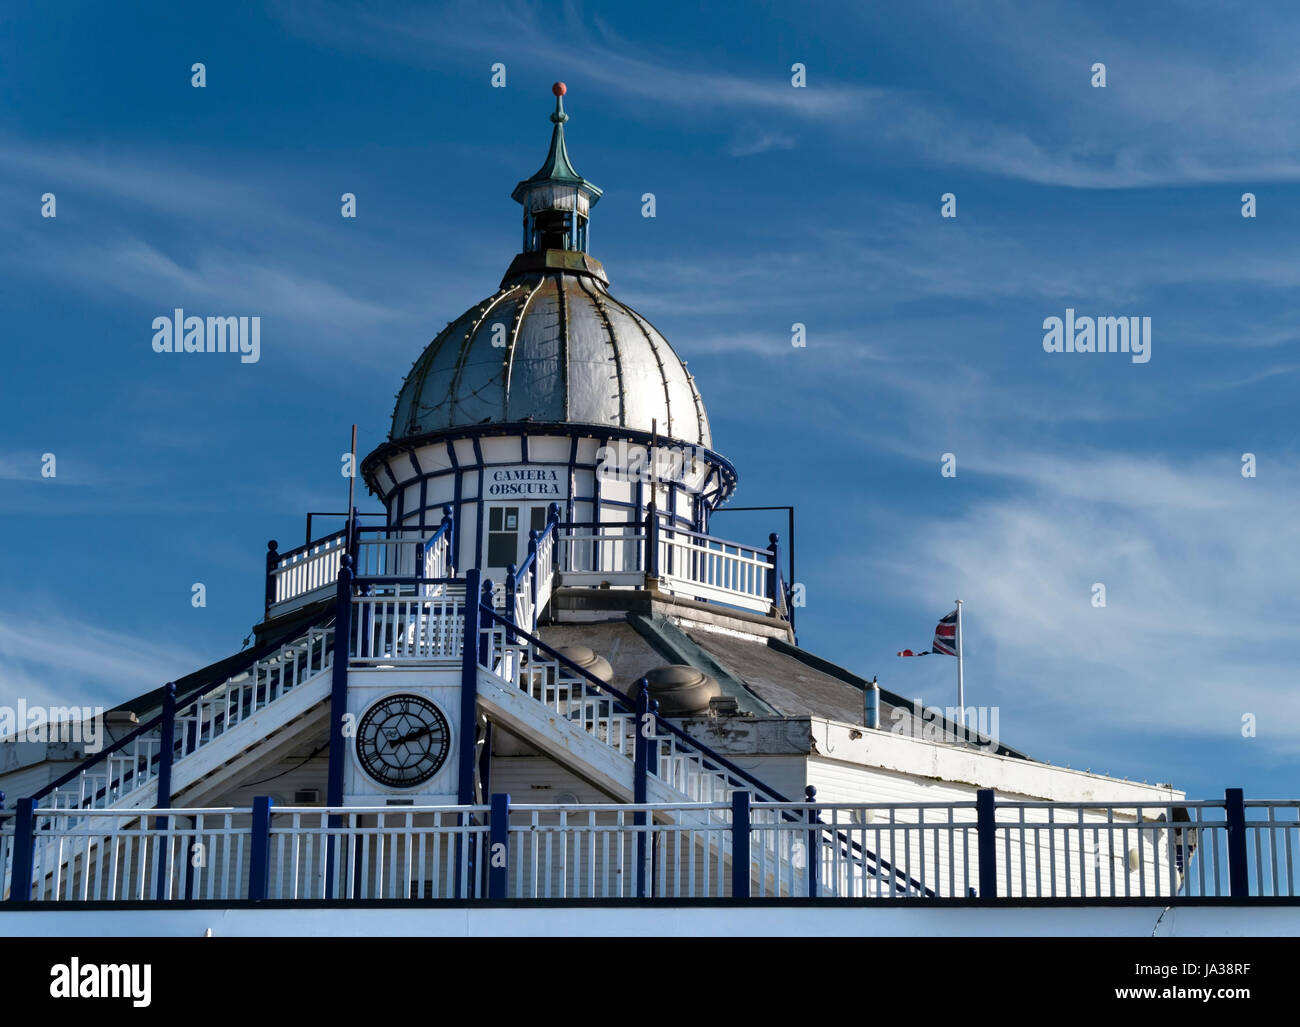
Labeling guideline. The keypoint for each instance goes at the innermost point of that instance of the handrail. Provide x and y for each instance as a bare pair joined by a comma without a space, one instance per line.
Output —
630,706
254,655
707,755
289,554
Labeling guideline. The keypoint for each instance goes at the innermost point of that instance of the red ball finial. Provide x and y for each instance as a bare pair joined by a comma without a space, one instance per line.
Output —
559,89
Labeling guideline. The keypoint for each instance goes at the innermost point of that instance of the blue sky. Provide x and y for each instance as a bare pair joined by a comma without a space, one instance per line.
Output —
775,205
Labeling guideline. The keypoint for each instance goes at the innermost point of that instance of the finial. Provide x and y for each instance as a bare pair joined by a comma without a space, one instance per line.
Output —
559,89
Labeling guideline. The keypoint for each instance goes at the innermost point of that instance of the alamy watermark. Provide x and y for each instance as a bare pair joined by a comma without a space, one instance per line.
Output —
974,725
81,725
1085,334
658,465
181,334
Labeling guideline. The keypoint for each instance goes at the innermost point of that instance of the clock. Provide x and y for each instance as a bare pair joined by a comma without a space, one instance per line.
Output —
403,740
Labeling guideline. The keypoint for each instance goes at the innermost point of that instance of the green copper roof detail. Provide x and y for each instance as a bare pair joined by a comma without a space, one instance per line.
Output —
557,168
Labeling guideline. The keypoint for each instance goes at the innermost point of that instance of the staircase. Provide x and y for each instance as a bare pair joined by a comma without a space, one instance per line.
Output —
212,726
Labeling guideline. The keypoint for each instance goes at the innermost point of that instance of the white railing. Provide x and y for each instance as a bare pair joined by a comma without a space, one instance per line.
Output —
700,567
376,852
865,851
689,564
401,624
533,585
593,554
309,569
569,695
199,853
200,721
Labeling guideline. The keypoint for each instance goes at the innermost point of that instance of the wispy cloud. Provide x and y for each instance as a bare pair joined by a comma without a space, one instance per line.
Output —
54,659
1195,560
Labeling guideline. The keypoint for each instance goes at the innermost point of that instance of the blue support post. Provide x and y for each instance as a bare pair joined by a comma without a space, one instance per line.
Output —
640,768
339,681
166,747
20,880
1234,804
814,844
740,802
259,860
499,847
166,750
272,562
987,841
338,708
450,527
512,587
532,578
471,656
651,542
774,575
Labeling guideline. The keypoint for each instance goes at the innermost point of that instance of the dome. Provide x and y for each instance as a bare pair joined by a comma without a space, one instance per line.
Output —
552,346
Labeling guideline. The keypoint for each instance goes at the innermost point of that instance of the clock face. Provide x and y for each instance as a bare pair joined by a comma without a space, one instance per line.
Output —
402,741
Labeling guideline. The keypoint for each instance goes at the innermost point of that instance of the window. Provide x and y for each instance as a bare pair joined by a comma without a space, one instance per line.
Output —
503,535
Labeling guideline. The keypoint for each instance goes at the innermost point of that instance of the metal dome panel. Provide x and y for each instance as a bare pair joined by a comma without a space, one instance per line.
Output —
573,354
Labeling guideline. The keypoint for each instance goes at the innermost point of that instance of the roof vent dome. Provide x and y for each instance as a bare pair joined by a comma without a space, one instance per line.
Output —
682,691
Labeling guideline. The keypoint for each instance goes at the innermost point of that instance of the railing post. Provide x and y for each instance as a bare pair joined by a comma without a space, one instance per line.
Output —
814,868
512,586
448,540
1234,804
773,574
272,562
533,546
740,802
166,745
339,690
260,852
640,769
472,655
499,847
20,879
987,841
651,543
338,708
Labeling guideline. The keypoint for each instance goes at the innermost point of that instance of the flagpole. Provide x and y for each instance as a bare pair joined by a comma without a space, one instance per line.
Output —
961,684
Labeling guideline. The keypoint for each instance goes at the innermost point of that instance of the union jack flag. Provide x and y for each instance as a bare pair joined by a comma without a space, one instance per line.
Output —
945,639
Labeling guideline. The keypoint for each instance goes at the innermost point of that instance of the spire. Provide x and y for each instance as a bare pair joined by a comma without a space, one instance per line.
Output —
557,200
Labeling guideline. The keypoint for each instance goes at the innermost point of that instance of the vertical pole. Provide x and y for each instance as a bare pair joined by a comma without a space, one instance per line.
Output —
272,562
740,845
260,852
450,541
1234,803
814,844
471,657
652,542
987,841
339,690
512,587
961,684
872,696
640,766
20,884
166,745
499,848
773,584
338,707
